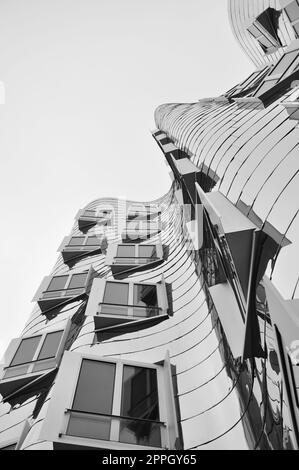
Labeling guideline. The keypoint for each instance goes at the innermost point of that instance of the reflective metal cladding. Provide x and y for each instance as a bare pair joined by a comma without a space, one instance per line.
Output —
174,324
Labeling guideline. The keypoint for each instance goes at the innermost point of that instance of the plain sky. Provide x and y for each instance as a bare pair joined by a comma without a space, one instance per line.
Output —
82,80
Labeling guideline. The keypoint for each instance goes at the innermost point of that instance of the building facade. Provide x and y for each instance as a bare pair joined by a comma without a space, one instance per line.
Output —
173,324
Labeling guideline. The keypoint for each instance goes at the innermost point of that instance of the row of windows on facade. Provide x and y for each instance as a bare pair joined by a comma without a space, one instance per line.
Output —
96,400
265,28
270,82
117,303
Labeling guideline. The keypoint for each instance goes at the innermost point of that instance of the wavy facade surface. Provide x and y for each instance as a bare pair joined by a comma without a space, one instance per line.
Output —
174,323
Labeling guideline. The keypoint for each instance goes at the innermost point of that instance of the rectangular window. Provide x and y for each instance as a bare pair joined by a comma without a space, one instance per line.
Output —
93,241
50,345
145,300
35,354
77,281
57,283
93,401
147,251
265,30
129,415
116,299
292,11
26,350
288,64
136,300
116,293
76,241
125,251
140,400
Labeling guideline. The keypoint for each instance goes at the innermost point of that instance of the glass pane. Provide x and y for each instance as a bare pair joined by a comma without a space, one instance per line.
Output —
89,426
266,86
293,11
116,293
147,251
140,400
125,251
145,296
284,62
26,350
75,241
50,346
94,395
78,280
57,283
93,241
254,31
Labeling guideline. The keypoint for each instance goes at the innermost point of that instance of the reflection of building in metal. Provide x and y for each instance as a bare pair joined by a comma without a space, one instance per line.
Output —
174,324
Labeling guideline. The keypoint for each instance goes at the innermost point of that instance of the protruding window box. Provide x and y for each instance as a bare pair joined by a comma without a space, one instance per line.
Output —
264,28
143,212
30,357
90,218
115,302
283,77
58,290
189,174
291,8
126,257
76,247
234,297
139,230
103,403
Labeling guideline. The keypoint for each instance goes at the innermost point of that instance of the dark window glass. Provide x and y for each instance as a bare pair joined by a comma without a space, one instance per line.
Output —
116,293
147,251
78,280
93,241
140,400
26,350
125,251
145,298
94,395
75,241
57,283
50,345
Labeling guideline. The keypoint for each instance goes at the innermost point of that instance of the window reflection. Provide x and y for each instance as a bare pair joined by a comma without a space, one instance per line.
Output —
145,296
140,400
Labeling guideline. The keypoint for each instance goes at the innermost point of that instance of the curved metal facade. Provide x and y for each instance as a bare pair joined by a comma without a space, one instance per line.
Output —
242,11
246,155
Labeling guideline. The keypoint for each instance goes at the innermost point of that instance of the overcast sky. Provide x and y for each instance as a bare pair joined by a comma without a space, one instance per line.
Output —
82,80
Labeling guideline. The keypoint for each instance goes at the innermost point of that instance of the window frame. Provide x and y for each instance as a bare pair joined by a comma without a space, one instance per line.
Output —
274,42
54,427
70,252
28,371
278,77
85,222
97,293
61,296
143,211
285,4
136,261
